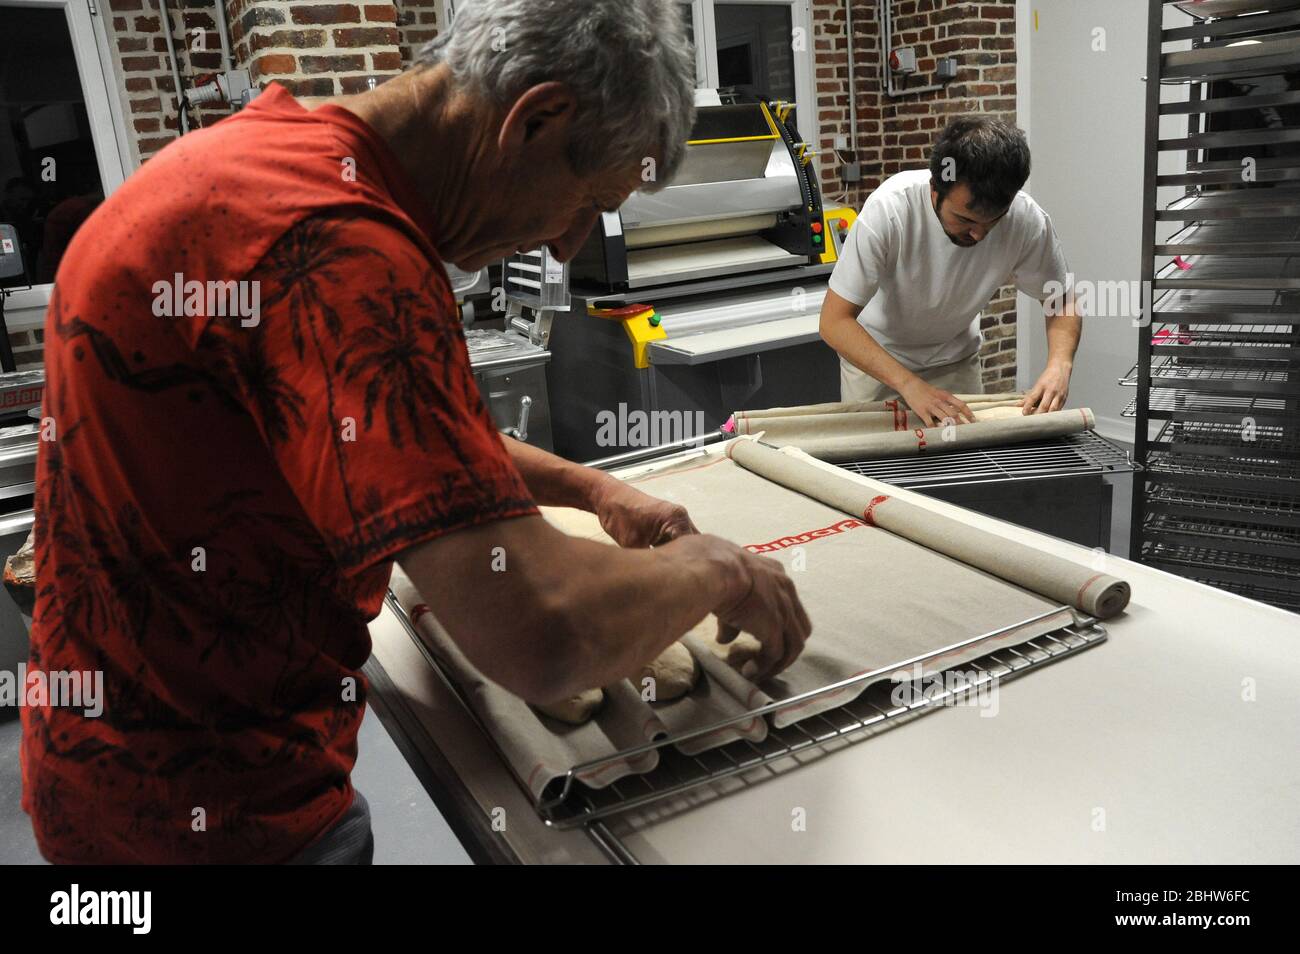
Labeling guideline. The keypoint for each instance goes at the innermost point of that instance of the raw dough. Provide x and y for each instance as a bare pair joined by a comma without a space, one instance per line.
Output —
741,654
674,672
576,709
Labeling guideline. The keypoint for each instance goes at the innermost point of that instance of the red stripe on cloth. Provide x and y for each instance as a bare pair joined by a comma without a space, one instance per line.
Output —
1078,597
900,415
869,514
807,536
418,610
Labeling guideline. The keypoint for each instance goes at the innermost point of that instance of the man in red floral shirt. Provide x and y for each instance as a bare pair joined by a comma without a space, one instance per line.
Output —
225,494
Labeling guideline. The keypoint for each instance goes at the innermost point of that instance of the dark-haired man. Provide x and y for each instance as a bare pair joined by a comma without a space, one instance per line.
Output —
927,253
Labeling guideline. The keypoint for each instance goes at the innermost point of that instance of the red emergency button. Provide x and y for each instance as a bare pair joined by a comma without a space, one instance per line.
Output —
842,224
817,228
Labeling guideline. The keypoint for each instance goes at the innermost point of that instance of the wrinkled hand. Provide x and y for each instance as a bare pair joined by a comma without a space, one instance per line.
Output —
1049,392
768,607
635,519
934,405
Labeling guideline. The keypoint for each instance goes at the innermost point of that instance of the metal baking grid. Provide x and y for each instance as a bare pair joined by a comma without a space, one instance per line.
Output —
1173,338
1231,535
1069,456
573,804
1223,505
1213,566
873,711
1270,476
1228,374
1218,439
1203,406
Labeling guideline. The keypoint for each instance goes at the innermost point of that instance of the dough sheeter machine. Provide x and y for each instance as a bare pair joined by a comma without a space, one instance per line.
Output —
697,299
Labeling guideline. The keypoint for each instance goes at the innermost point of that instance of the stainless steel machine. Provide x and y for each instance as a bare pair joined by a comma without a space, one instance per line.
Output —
688,303
20,399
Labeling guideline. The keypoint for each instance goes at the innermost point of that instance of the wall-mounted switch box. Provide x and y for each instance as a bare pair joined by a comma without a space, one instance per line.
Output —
851,172
903,60
946,69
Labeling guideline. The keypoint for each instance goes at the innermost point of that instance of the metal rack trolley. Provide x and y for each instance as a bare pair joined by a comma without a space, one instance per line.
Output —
1218,373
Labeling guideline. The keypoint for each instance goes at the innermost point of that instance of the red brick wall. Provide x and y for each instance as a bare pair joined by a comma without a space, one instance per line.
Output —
314,48
895,133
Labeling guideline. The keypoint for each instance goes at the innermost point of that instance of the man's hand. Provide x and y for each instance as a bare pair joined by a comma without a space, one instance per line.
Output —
1050,391
771,612
934,405
635,519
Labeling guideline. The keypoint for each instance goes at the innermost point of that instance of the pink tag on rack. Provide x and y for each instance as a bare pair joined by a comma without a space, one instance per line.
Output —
730,426
1178,260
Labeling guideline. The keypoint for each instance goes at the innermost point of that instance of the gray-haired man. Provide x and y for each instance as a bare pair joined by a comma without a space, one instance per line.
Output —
220,515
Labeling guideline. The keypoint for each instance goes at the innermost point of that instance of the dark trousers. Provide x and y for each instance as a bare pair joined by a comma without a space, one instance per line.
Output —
349,842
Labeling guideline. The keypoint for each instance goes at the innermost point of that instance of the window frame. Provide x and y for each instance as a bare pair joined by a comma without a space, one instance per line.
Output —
25,307
704,13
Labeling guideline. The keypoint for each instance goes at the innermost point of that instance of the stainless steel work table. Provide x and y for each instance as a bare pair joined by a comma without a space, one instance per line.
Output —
1174,741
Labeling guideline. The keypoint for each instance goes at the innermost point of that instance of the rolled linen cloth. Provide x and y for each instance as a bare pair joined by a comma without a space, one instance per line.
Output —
849,407
1094,593
839,447
794,428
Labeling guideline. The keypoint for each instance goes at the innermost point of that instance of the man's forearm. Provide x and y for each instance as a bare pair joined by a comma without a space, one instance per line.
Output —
554,481
840,329
1064,331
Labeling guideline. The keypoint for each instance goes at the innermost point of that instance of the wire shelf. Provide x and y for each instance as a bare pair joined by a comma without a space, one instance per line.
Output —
1235,473
871,712
1226,375
1166,404
573,804
1222,504
1226,535
1268,341
1211,564
1212,438
1238,306
1068,456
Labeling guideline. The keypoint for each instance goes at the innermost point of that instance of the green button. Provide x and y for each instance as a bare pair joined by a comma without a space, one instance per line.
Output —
654,321
817,240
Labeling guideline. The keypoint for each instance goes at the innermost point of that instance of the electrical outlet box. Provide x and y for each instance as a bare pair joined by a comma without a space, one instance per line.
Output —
946,69
842,142
903,60
851,172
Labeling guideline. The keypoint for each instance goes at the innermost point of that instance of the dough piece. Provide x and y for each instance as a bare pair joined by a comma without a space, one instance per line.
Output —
675,673
999,413
741,654
576,709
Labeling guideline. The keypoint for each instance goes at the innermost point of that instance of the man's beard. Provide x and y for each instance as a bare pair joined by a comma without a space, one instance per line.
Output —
959,242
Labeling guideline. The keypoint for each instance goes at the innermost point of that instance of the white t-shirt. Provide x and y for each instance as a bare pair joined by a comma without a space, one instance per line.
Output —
922,293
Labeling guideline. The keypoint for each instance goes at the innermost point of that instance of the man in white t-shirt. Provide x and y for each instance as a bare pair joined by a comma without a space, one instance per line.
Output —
927,253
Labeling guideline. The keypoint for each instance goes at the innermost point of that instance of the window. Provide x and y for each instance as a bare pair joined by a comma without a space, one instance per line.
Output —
62,146
761,46
756,49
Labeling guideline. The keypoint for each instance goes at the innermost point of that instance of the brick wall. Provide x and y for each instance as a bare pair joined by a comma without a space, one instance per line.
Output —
315,48
895,133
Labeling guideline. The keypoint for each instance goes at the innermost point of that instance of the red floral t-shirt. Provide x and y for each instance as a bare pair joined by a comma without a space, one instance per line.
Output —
217,514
